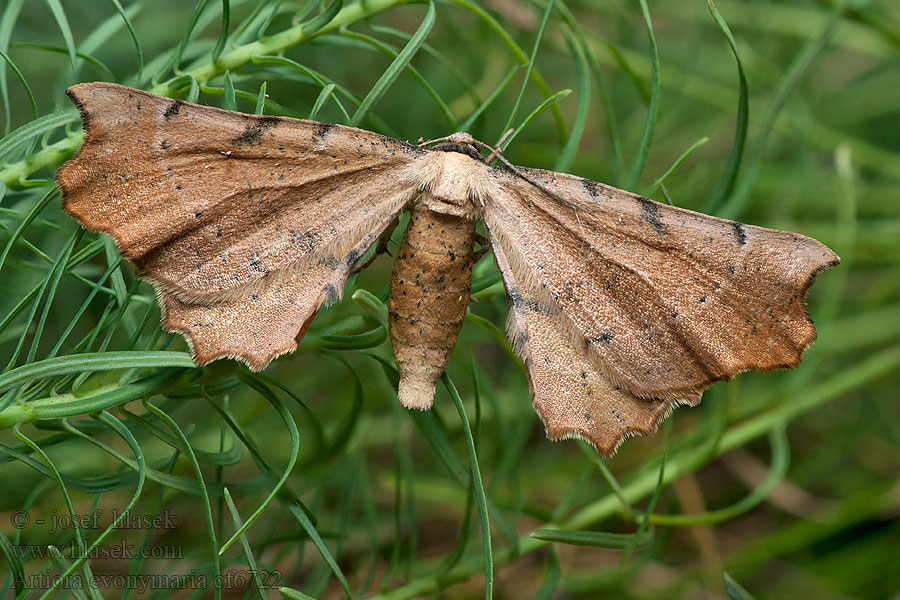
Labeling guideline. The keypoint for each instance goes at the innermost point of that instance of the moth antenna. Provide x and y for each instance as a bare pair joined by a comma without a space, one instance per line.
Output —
498,154
499,144
447,138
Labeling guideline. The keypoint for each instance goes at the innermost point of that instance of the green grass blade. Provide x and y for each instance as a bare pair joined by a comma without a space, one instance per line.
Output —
245,547
780,461
35,128
260,387
327,15
102,361
134,38
414,73
529,66
64,492
7,22
801,64
310,530
201,483
53,279
547,103
318,78
34,109
59,15
102,69
520,56
595,539
396,67
260,107
652,109
726,183
223,31
497,91
608,112
660,482
132,443
678,162
321,99
186,38
583,104
734,589
16,569
478,486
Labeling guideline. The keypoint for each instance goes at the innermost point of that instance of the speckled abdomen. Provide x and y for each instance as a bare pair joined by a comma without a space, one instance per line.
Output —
430,287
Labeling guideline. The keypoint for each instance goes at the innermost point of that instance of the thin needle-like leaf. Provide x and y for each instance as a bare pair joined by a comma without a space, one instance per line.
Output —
726,183
59,15
652,109
396,67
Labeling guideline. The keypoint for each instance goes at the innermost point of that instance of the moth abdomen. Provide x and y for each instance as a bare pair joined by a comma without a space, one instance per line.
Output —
430,286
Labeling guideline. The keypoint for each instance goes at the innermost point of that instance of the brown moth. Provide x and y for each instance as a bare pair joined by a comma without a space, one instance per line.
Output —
621,307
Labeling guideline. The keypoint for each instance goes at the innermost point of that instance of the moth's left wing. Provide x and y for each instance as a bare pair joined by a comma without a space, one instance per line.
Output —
246,224
613,295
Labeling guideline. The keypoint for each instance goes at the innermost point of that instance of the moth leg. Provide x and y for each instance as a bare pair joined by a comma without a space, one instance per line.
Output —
485,245
383,240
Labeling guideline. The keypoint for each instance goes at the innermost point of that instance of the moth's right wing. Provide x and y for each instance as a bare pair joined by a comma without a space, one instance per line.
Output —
246,224
573,396
624,307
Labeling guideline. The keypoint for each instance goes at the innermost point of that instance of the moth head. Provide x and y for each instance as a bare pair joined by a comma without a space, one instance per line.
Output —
469,150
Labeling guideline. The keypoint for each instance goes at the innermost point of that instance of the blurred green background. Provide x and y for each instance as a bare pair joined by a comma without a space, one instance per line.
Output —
787,481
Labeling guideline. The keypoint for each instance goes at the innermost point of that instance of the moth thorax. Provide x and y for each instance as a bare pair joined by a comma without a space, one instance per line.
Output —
452,192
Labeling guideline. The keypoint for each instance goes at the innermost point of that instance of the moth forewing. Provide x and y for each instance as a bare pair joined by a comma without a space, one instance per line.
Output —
667,300
246,224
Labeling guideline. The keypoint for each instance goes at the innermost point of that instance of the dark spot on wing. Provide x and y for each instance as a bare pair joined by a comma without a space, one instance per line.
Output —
164,144
253,133
739,235
650,213
173,109
321,130
413,150
605,337
331,294
331,261
254,264
592,187
518,301
308,239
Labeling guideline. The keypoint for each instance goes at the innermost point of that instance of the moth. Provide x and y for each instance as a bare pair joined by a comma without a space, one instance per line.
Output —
621,308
